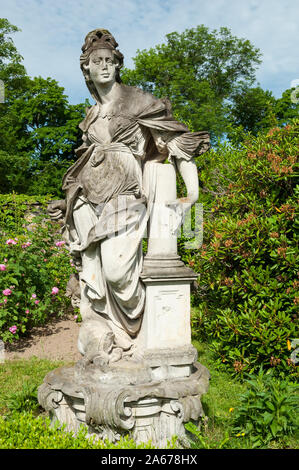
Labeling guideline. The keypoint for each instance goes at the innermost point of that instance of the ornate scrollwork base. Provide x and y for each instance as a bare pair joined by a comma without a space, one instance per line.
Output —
149,410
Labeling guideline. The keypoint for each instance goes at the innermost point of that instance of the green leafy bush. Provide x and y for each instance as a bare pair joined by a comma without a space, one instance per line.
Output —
34,266
268,410
247,299
24,431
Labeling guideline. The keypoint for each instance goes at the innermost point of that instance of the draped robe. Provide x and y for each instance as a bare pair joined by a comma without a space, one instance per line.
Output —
110,190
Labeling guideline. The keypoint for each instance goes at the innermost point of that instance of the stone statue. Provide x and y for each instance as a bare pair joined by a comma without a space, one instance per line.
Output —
124,131
127,303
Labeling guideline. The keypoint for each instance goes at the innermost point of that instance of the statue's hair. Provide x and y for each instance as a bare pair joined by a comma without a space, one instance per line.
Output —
99,39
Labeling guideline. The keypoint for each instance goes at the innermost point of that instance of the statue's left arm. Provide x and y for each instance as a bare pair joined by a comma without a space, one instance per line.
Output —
188,171
177,149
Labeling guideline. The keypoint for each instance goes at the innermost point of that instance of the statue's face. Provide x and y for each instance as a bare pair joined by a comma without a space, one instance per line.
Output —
102,66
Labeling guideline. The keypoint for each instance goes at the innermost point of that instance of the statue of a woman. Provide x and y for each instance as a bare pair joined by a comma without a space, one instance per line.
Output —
109,191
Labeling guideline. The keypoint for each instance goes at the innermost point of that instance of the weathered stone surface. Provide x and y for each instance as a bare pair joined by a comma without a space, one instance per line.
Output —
117,187
138,371
155,410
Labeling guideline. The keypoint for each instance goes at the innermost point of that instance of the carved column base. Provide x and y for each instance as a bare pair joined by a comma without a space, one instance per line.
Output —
113,403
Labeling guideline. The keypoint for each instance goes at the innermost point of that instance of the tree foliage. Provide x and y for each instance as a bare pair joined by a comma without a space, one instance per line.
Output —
198,70
12,72
209,77
41,122
38,126
254,110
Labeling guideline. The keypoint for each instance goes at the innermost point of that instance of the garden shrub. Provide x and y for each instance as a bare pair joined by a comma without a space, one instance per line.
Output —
267,411
34,266
25,431
247,298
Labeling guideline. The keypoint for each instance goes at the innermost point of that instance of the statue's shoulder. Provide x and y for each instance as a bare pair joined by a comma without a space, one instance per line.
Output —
137,100
134,101
139,94
90,114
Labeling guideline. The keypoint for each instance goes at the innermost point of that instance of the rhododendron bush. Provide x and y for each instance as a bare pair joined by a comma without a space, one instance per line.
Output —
34,266
247,293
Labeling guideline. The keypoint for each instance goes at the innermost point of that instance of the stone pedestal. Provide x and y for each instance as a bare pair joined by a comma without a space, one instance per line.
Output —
125,399
165,335
152,394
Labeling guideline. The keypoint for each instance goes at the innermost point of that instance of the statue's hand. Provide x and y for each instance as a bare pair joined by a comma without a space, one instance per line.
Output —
56,209
181,205
97,156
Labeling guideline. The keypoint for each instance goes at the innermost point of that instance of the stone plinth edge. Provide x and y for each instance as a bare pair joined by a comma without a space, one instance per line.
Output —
155,410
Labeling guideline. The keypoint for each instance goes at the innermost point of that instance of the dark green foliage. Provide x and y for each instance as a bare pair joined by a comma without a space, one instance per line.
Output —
38,127
287,107
39,134
248,287
14,172
267,411
47,178
41,122
254,110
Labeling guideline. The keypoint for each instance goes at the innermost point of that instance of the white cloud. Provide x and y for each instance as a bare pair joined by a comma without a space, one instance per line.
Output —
53,32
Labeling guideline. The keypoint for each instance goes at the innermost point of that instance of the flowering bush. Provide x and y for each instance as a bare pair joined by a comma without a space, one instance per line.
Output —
34,268
248,287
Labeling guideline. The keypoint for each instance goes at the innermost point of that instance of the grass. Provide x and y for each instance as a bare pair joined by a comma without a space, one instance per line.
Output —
222,396
13,374
218,403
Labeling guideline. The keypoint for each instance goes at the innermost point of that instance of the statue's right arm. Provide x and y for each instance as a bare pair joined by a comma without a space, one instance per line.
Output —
56,209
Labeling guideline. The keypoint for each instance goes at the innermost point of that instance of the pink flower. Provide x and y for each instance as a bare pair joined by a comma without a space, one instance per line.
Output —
6,292
26,244
55,290
2,267
5,260
13,329
27,311
10,241
33,296
60,243
5,300
36,302
75,317
45,260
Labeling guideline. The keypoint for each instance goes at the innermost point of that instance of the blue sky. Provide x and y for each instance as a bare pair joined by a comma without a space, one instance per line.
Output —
53,32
